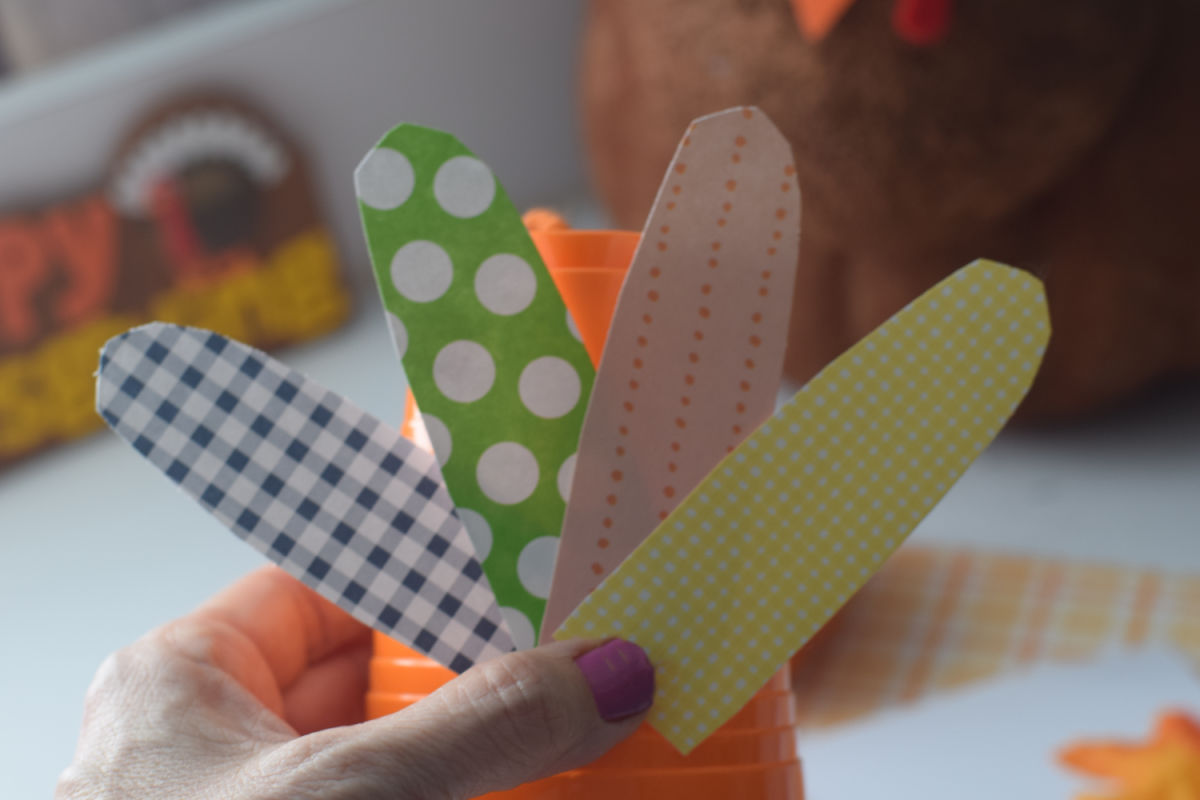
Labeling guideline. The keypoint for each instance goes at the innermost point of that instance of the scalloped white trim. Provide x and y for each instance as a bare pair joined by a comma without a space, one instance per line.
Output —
193,136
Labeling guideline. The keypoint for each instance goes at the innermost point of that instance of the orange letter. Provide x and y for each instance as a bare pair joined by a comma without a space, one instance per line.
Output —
85,237
23,271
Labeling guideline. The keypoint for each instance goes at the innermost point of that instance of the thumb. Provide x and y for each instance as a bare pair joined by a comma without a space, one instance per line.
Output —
502,723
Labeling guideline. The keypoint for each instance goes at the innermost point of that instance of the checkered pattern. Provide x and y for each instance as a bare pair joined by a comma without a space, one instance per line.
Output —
338,499
934,619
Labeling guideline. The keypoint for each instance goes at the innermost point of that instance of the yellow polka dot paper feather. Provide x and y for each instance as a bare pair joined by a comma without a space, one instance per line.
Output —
791,523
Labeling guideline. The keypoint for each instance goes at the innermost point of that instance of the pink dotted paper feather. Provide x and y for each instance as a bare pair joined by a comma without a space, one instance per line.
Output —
695,351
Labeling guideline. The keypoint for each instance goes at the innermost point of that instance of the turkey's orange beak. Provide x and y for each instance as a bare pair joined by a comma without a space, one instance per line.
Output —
816,18
918,22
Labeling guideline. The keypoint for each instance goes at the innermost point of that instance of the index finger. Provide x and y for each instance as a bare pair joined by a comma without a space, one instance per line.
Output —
289,624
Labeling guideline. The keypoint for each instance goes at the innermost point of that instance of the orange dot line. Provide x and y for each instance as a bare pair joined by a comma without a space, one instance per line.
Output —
755,341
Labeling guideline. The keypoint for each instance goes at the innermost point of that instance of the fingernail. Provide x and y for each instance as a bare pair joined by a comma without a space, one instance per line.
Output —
621,678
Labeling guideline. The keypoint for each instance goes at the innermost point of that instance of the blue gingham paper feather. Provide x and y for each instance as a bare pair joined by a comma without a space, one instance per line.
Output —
332,495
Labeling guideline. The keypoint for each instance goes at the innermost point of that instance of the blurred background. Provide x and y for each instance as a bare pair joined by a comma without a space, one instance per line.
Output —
107,113
96,550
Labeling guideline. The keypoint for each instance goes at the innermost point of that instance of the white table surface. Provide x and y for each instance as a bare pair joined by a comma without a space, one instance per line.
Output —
998,740
99,547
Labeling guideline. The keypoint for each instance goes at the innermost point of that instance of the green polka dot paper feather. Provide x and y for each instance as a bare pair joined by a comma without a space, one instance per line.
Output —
501,380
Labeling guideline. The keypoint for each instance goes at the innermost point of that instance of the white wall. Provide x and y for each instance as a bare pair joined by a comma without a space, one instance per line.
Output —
96,548
337,74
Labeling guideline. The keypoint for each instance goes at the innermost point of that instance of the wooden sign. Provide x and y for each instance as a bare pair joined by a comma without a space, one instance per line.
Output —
207,219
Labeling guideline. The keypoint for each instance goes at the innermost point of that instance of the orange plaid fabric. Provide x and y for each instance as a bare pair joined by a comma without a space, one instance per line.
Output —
936,618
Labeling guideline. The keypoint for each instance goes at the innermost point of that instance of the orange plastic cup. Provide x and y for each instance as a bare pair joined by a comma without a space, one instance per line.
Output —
752,756
588,267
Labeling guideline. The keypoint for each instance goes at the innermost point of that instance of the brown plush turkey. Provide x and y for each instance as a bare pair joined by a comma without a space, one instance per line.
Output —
1062,137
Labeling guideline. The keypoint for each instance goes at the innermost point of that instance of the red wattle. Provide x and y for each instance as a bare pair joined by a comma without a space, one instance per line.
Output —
922,22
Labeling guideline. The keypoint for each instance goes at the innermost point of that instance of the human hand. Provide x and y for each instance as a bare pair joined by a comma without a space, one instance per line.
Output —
259,693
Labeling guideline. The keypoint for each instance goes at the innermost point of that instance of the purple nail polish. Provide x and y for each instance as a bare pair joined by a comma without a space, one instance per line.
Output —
621,678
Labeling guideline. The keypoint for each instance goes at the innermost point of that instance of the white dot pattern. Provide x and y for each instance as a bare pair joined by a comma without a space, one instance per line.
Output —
549,387
384,180
421,271
399,334
508,473
439,438
519,627
536,564
566,475
464,371
505,284
464,187
479,531
790,525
